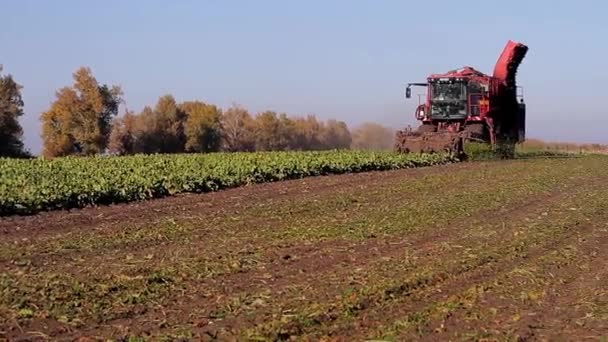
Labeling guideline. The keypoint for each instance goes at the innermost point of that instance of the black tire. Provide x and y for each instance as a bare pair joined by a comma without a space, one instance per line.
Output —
478,132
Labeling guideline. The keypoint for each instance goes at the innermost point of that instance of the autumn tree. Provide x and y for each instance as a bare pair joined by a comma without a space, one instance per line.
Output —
144,135
79,121
372,136
286,133
202,127
124,136
308,133
169,125
57,136
11,108
271,132
192,126
160,129
336,135
195,126
238,131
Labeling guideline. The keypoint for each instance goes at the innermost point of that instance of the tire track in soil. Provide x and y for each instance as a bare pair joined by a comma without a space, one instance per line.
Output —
566,312
226,288
22,231
144,248
367,249
457,284
326,255
458,323
386,178
343,258
453,282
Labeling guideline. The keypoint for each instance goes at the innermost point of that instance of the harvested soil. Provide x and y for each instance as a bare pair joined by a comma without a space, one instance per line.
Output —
477,251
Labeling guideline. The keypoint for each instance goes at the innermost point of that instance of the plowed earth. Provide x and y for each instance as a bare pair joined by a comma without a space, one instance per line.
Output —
510,250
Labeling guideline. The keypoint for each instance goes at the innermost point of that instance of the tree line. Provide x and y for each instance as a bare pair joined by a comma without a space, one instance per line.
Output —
83,120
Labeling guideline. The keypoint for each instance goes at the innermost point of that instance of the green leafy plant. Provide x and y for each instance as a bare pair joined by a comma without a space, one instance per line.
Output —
29,186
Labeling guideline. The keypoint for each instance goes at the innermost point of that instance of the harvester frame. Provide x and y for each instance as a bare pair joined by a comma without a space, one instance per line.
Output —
467,105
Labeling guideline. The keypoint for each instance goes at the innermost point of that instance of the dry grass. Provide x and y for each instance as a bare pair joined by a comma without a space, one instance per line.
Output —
541,145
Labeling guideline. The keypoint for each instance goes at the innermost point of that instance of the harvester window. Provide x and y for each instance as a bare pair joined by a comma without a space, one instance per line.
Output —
474,103
448,92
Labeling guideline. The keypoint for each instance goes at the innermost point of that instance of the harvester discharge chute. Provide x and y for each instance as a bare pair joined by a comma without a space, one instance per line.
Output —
467,105
506,67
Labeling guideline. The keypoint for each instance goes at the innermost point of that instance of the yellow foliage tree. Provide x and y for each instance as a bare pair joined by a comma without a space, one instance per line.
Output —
202,127
79,121
238,130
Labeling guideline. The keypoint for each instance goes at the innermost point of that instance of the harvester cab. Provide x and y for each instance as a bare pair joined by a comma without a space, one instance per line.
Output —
468,105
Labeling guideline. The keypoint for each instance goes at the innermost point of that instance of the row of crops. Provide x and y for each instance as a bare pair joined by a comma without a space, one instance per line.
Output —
29,186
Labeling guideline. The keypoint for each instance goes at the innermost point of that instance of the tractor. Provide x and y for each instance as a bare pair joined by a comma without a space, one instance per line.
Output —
467,105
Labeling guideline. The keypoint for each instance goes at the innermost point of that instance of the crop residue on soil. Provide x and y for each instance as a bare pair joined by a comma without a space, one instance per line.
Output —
496,250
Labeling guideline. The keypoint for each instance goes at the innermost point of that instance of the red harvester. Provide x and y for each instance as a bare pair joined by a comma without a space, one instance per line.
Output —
468,105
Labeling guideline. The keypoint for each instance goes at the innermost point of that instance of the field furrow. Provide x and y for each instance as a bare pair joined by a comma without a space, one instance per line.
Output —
501,249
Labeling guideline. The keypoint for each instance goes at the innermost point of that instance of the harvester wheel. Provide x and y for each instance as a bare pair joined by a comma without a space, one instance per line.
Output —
478,132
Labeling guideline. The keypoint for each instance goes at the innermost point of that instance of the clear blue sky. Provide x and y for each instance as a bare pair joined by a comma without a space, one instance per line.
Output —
346,59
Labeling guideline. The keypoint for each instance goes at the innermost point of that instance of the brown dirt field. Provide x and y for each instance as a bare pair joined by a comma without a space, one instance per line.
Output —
476,251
